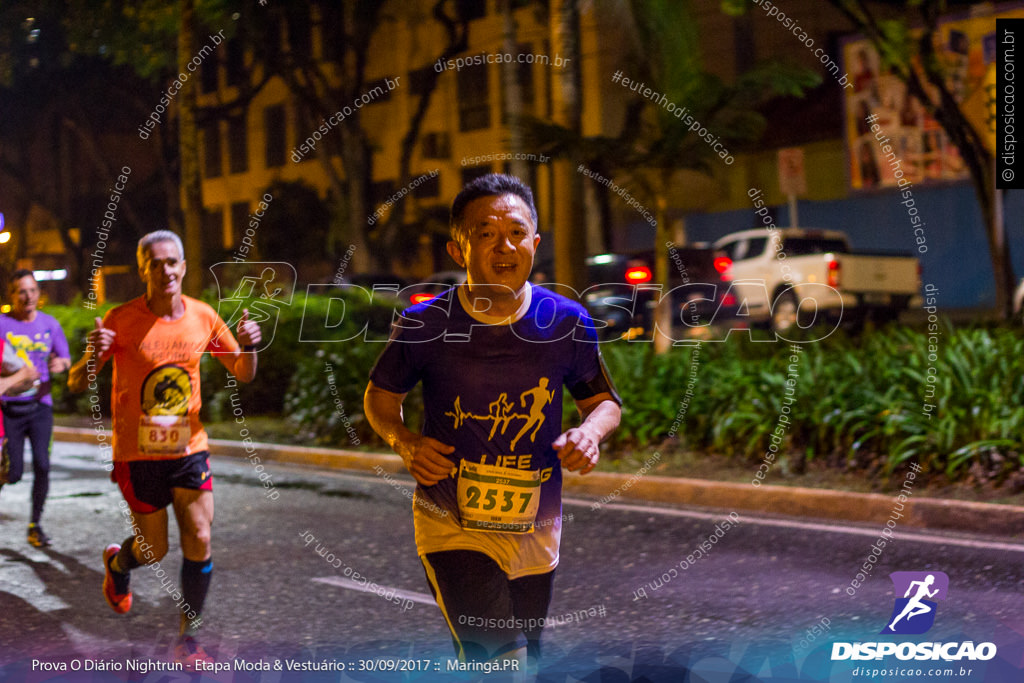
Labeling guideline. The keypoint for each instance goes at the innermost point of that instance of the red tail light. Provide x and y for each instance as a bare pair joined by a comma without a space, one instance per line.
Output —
722,263
420,298
729,300
637,275
833,273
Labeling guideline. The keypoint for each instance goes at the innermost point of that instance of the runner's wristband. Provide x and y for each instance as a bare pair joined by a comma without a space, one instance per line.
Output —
249,347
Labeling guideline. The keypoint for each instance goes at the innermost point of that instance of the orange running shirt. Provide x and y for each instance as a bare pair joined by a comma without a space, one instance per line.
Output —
156,398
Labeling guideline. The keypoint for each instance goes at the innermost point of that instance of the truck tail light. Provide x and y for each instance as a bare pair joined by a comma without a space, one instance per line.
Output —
833,273
722,264
637,275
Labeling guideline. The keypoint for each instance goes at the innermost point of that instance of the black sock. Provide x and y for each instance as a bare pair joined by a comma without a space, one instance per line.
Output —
125,560
195,582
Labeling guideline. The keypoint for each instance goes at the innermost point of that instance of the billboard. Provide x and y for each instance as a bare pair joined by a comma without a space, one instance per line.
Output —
889,135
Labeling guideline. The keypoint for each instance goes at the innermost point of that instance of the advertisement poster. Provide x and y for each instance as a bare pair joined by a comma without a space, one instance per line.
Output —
967,50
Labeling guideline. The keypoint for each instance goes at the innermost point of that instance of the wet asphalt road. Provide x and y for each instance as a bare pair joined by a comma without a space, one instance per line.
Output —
767,586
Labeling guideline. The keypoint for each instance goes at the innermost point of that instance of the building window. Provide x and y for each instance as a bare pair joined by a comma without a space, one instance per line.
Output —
239,221
211,150
436,146
428,188
272,45
471,9
473,172
208,74
235,62
305,125
332,33
238,161
213,231
381,95
524,73
531,172
743,43
300,31
526,85
419,80
275,131
474,103
380,192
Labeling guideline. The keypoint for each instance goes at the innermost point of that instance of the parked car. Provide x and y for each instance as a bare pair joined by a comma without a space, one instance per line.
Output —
379,282
431,286
614,293
622,296
774,272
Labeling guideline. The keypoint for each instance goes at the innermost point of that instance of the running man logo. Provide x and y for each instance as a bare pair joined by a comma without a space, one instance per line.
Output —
166,391
262,287
500,412
914,613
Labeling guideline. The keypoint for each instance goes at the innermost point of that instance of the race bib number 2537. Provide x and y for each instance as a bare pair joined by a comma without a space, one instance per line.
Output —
498,498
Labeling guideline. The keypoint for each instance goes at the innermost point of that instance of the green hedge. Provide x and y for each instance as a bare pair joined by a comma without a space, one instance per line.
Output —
77,321
858,402
279,362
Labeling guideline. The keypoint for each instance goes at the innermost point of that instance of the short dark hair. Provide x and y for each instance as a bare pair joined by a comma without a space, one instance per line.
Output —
490,185
18,274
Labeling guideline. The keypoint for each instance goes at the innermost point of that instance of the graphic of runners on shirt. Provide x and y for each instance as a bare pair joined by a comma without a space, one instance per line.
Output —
34,342
499,412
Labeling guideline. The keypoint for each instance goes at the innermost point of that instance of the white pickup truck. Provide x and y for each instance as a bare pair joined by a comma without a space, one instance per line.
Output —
789,276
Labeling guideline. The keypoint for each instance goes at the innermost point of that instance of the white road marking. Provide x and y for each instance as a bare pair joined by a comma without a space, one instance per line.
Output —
748,518
422,598
342,582
839,528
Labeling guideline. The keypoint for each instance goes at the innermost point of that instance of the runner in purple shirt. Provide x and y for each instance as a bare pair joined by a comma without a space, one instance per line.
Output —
39,341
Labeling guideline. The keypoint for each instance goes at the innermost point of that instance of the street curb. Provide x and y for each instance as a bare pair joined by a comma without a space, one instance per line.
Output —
871,508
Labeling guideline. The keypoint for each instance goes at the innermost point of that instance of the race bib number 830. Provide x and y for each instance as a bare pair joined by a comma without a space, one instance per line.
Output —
164,435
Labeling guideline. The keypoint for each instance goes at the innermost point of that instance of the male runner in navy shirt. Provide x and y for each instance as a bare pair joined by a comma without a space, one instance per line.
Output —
493,356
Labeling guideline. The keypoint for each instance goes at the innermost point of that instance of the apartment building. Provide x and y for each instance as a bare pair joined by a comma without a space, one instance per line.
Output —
464,132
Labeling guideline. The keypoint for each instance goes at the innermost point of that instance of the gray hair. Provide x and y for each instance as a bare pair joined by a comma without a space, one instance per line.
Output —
154,237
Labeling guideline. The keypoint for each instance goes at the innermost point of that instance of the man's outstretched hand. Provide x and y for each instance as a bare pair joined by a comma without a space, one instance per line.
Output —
577,450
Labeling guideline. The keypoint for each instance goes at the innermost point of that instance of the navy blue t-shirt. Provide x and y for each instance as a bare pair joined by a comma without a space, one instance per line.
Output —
494,392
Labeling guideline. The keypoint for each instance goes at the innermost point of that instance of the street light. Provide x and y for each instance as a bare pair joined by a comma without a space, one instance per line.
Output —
5,237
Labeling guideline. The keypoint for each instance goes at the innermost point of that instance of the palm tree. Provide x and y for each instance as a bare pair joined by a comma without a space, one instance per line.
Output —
569,230
188,146
656,142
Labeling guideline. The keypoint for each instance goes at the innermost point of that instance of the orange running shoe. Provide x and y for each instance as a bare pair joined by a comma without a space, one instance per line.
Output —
191,654
116,588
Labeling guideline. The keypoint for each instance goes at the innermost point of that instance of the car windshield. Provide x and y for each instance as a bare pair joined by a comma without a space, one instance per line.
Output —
799,246
744,248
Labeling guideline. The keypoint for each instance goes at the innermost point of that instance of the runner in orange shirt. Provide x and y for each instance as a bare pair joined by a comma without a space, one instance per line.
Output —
160,449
